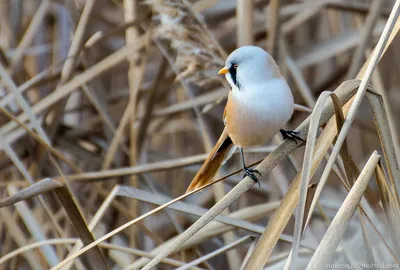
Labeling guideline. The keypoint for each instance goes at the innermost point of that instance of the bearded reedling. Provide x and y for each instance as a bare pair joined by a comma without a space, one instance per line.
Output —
259,104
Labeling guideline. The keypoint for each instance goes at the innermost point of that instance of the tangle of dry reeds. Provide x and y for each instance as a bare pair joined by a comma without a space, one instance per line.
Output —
108,109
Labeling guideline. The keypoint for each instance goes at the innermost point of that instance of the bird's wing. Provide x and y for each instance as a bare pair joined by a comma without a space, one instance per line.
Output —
221,151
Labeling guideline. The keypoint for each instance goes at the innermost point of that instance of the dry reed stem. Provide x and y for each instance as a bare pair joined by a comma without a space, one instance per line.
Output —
129,115
365,38
77,42
337,45
135,75
23,104
302,85
244,23
216,253
66,89
150,167
356,7
29,34
274,29
308,12
186,208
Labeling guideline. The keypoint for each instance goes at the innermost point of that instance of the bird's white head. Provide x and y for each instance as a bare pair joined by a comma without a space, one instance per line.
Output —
249,65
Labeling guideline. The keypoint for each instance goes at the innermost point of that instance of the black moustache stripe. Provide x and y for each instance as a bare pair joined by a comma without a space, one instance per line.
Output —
232,71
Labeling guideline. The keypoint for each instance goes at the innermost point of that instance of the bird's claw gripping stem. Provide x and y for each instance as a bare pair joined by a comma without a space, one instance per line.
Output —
251,173
291,135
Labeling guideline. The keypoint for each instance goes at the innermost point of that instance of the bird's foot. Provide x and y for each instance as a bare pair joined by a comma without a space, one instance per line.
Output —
291,135
251,173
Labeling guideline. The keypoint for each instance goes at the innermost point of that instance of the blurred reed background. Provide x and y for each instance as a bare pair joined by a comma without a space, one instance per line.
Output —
108,108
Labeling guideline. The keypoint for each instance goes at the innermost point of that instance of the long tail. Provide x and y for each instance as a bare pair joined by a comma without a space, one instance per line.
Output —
221,152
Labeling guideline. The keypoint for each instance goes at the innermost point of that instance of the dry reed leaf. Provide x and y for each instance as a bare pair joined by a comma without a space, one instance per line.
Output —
382,125
336,230
390,206
347,162
69,205
95,220
344,152
306,172
388,143
96,258
40,187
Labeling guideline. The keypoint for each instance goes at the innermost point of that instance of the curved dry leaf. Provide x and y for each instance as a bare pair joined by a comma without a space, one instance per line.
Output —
336,230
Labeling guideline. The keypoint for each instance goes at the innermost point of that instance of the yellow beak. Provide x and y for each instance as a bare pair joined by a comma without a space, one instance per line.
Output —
223,70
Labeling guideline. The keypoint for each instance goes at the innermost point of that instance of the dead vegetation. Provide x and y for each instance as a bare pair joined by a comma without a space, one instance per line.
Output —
108,109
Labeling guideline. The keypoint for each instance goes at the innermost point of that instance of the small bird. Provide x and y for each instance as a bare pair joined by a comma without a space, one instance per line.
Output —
259,104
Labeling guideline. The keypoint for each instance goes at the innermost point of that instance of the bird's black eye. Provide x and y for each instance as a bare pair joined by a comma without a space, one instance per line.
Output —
235,66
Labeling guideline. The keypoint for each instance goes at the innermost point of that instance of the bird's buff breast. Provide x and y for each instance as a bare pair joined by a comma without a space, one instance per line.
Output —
253,118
